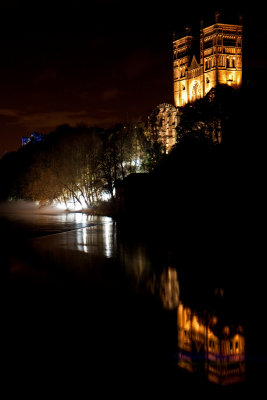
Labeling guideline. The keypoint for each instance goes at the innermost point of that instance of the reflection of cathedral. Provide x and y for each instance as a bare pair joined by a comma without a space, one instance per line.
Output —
205,344
219,352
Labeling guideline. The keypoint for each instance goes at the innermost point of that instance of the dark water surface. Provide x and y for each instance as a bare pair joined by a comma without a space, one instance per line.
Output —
90,303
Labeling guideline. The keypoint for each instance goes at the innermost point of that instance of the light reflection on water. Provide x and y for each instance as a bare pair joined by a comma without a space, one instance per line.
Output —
205,343
91,235
166,287
98,239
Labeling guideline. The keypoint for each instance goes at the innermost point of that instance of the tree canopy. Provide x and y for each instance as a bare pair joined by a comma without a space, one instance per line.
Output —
75,165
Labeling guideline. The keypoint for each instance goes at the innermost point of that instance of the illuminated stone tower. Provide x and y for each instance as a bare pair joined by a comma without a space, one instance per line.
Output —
219,47
162,123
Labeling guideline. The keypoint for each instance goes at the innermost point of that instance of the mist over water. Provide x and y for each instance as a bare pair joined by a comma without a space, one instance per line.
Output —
27,219
24,208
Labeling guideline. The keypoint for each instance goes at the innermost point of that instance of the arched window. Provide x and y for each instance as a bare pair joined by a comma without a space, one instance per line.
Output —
196,92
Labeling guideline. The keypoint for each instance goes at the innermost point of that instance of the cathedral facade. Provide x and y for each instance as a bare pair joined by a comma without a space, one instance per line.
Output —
201,63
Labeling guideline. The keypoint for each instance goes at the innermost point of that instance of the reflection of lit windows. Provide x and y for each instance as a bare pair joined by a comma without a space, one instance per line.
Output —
224,358
211,344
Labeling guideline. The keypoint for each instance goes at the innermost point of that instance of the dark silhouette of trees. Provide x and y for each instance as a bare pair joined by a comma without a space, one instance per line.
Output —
125,150
207,186
216,117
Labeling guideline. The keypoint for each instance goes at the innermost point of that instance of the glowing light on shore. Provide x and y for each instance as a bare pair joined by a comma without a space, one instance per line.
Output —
75,205
71,205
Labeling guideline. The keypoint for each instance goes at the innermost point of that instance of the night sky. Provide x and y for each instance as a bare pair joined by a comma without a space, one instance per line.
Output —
99,62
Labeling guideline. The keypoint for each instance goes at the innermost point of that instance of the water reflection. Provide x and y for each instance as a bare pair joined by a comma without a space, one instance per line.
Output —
135,260
76,218
109,237
166,288
82,240
98,239
206,344
87,234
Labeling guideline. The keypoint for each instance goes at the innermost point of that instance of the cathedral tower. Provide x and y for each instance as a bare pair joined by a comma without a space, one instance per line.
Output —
199,64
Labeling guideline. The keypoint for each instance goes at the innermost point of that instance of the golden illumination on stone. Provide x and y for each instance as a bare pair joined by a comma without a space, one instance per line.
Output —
219,47
162,123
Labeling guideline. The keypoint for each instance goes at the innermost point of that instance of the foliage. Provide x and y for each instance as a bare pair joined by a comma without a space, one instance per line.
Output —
75,165
81,164
211,118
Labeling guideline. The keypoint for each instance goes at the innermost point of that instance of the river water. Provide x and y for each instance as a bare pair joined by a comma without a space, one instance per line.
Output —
89,302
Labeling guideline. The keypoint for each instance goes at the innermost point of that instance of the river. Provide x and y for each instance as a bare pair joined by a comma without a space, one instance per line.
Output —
95,303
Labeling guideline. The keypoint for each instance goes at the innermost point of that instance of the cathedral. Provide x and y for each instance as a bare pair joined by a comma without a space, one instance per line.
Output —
199,64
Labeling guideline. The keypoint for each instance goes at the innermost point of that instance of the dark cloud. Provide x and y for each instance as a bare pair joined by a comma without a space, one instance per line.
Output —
47,121
110,94
47,74
9,112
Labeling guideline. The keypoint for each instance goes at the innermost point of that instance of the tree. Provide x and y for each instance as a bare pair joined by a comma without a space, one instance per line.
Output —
211,118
